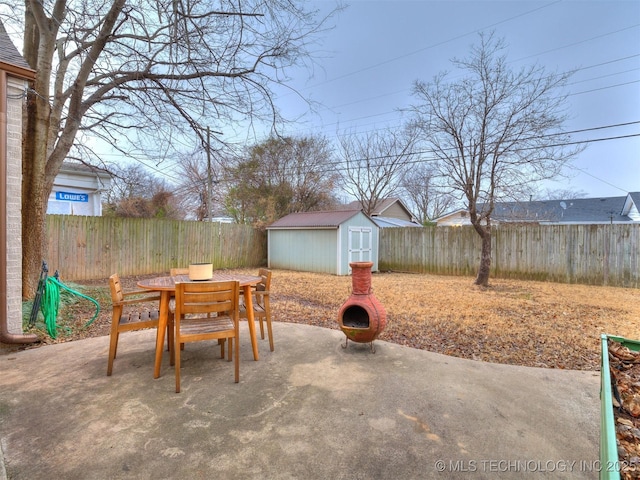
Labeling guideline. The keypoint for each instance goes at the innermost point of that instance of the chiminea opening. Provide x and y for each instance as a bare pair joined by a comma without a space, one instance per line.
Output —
355,317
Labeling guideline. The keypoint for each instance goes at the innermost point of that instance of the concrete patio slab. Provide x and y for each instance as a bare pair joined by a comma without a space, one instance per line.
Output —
311,409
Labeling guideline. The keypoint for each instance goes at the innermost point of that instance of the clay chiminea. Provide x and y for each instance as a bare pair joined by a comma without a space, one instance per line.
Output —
362,317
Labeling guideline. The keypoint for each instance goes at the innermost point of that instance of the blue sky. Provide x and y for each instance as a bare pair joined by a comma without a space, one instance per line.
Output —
366,65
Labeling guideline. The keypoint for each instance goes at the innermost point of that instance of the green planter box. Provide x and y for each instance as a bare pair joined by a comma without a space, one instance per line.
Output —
609,460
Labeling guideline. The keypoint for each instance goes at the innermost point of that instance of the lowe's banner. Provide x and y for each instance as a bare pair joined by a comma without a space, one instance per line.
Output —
72,197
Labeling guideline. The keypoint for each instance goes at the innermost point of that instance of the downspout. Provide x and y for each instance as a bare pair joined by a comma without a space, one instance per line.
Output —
5,336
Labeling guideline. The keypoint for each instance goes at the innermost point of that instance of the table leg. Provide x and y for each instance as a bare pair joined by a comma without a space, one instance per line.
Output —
165,295
248,302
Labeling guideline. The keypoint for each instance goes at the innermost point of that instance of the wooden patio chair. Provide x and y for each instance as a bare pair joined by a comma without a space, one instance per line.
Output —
185,271
126,319
261,306
194,322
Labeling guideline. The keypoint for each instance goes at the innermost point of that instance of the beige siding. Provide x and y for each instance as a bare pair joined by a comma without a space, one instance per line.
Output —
396,211
454,220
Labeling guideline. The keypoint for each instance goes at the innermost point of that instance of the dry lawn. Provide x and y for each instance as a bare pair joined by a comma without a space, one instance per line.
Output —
513,322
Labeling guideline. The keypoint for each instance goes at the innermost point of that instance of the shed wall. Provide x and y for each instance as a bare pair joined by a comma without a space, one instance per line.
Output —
311,250
360,220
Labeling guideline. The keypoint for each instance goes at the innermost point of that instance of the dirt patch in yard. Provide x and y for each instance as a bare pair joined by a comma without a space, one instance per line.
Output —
512,322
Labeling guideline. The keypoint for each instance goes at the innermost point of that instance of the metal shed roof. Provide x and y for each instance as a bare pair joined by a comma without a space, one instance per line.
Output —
328,219
384,222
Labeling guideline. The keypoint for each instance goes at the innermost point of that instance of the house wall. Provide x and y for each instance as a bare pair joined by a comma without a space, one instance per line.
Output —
15,89
77,193
454,220
396,211
307,250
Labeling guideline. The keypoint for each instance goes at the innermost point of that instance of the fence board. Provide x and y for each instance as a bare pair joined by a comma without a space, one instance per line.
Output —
588,254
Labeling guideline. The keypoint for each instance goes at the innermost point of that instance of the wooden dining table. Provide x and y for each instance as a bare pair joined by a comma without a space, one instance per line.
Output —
167,288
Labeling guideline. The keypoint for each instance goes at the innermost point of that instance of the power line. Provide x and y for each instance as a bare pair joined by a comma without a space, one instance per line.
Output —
335,164
392,112
605,88
438,44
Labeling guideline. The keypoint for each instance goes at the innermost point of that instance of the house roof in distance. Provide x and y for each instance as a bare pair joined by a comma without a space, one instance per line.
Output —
381,206
580,210
324,219
10,58
623,209
82,168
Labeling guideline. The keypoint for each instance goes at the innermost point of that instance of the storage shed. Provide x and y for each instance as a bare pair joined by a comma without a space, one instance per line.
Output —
322,241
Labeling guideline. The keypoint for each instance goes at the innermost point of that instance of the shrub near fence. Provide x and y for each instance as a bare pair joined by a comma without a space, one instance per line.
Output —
83,248
588,254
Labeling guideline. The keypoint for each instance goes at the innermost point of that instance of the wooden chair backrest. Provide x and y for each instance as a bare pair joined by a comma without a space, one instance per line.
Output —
178,271
265,283
206,297
116,288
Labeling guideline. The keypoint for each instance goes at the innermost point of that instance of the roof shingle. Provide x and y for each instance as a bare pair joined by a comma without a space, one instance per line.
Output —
8,51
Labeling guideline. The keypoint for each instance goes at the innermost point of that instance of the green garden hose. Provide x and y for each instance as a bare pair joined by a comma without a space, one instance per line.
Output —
49,307
51,302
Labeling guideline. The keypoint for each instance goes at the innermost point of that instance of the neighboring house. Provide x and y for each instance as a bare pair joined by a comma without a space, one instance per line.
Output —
77,190
389,212
585,211
14,77
322,241
219,217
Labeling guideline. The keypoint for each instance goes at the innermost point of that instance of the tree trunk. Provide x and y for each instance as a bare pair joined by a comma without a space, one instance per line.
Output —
37,142
34,194
485,257
34,244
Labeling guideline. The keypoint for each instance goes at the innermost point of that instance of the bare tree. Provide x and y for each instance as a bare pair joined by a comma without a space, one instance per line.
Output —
561,194
494,132
135,192
141,75
426,197
200,182
374,164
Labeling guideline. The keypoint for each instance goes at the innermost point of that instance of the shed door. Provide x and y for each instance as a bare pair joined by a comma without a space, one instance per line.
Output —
360,241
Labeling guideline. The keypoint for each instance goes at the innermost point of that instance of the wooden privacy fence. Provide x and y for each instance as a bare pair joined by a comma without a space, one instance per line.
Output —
82,248
588,254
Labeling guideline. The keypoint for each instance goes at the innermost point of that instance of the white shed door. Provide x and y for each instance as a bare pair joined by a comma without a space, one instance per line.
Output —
360,244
